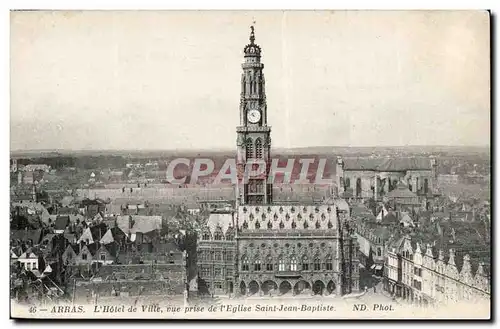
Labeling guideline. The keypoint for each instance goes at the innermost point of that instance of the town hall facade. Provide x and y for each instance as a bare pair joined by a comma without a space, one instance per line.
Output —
288,248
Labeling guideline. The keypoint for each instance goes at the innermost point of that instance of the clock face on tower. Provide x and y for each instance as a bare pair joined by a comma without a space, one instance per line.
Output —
253,116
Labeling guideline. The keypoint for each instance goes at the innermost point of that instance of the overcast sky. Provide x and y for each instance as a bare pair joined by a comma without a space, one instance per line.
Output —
171,80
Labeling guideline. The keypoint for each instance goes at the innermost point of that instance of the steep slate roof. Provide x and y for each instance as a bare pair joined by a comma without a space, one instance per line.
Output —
401,191
92,248
98,231
25,235
387,164
112,248
107,238
61,222
223,220
141,224
382,232
390,218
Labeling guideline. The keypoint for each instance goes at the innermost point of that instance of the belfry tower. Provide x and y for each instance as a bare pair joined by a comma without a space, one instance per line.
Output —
254,135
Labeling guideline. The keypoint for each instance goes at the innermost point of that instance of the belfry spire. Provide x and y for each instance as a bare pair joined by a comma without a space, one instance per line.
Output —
252,35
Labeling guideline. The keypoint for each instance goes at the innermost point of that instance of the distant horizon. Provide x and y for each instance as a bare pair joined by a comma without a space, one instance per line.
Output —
229,149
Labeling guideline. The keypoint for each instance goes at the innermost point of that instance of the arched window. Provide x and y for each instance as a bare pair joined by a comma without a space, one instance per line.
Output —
257,265
245,225
329,263
305,224
249,148
294,225
305,263
426,185
282,225
318,225
218,236
229,236
358,187
258,148
257,224
206,236
269,225
347,182
317,264
330,225
244,263
269,263
293,264
281,264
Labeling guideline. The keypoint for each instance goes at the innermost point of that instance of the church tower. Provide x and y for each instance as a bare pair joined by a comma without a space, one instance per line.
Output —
254,135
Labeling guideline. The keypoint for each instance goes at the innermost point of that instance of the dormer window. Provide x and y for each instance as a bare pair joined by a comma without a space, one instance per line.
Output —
244,210
268,209
292,210
257,209
281,210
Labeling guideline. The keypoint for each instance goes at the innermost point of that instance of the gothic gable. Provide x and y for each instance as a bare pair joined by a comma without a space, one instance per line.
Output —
287,217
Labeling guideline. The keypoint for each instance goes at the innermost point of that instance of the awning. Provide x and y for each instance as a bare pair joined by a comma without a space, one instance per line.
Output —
378,267
372,267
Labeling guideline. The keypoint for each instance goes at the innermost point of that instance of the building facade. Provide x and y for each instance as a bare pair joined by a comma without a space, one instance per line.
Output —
364,178
295,249
428,276
216,254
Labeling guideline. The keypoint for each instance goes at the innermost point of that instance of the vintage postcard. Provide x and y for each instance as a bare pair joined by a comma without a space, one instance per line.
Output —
250,165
